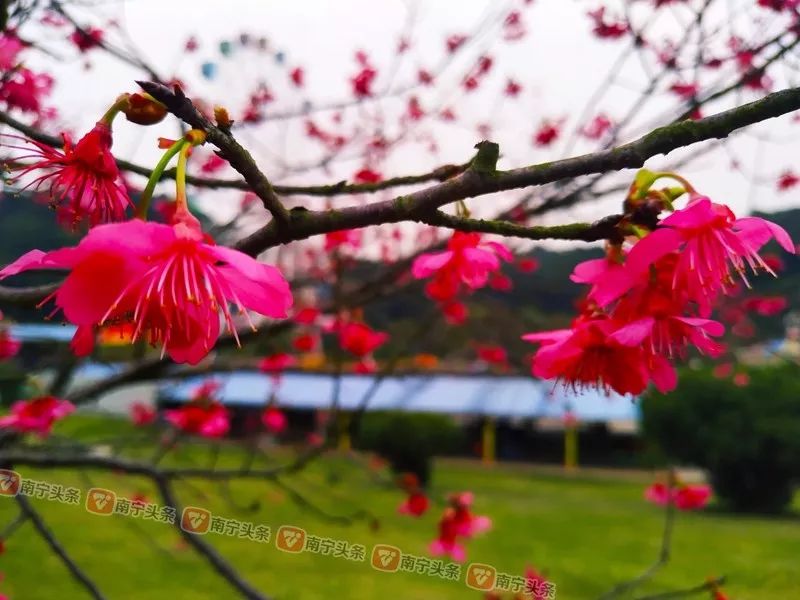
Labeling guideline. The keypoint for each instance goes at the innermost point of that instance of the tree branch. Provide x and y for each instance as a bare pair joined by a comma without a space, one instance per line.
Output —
57,548
587,232
27,295
219,564
422,203
664,553
340,188
238,157
708,586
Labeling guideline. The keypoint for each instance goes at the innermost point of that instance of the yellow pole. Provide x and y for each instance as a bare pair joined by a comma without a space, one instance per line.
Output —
489,440
570,446
344,432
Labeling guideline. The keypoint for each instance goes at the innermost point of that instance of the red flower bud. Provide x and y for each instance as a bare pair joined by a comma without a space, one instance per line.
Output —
143,109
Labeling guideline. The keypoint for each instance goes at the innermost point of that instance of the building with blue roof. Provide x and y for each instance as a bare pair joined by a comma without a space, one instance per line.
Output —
509,397
519,417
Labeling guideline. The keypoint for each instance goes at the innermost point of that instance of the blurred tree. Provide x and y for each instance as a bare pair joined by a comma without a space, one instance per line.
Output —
748,437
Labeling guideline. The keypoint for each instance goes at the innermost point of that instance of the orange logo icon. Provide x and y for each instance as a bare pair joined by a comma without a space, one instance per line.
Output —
9,482
386,558
290,539
100,501
481,577
195,520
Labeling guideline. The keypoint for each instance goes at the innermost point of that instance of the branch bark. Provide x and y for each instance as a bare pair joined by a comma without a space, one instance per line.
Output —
28,296
40,526
340,188
421,204
238,157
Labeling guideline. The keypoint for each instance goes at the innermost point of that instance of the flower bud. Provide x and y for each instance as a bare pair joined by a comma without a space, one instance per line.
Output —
143,109
195,137
222,117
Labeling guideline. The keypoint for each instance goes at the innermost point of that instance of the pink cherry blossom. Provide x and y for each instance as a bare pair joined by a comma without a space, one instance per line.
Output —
608,277
547,133
36,415
468,261
341,238
446,544
359,339
9,345
467,524
536,584
86,39
83,179
10,47
605,26
165,280
656,314
362,82
416,504
207,419
710,240
512,89
274,419
685,497
213,163
24,90
690,497
455,313
297,75
208,390
367,175
142,414
491,354
597,127
590,355
276,363
306,342
787,180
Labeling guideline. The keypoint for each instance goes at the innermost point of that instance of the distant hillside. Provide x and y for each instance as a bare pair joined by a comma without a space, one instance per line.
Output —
26,224
541,300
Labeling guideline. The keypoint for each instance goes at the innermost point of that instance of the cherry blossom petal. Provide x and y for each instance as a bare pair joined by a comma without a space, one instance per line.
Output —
260,287
651,248
756,232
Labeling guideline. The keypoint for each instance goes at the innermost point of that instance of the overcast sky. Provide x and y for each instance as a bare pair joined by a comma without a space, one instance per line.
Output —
558,64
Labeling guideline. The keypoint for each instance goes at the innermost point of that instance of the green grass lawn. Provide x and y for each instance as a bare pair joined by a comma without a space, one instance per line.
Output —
586,531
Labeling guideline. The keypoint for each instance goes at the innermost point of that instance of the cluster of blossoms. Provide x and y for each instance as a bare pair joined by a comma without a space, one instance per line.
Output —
205,415
651,300
416,504
458,523
22,89
168,282
9,345
468,264
352,335
36,415
683,496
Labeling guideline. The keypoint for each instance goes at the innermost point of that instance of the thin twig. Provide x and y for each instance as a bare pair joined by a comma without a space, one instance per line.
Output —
664,553
57,548
220,565
692,591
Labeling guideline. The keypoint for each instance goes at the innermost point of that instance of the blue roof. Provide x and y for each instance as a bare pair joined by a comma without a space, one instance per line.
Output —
505,397
41,332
